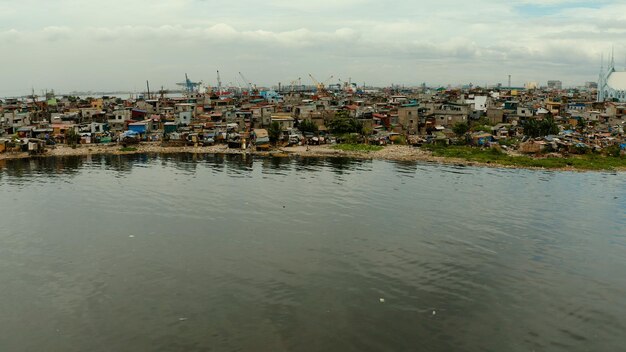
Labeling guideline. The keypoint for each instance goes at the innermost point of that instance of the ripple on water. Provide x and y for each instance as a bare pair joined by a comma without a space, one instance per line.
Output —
216,252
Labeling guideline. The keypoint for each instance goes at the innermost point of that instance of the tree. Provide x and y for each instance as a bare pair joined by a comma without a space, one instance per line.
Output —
308,126
548,126
72,138
343,124
342,114
483,121
534,128
274,131
460,128
531,128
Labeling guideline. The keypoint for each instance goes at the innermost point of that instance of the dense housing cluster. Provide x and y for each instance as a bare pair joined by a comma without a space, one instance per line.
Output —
529,119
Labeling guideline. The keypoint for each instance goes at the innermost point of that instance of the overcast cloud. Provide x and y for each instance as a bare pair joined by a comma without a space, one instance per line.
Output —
117,45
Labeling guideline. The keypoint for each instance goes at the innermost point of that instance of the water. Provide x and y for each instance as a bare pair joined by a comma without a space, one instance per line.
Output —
199,253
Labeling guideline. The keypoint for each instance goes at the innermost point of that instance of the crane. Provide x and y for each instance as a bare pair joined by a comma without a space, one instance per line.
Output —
321,87
239,90
190,86
247,82
296,83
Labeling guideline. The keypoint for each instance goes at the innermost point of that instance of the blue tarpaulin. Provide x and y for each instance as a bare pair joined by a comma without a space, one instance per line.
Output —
129,134
139,128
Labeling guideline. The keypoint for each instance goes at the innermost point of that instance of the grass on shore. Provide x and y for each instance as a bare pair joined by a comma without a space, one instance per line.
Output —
128,149
357,147
581,162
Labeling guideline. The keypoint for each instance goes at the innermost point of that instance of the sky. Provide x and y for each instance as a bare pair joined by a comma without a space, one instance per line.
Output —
83,45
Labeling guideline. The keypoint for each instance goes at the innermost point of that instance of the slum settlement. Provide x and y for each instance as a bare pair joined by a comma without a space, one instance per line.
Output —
525,120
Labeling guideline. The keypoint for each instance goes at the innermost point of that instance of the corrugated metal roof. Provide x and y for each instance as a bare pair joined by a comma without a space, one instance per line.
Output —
260,132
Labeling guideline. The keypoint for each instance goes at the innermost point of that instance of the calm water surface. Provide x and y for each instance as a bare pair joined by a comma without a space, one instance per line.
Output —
214,253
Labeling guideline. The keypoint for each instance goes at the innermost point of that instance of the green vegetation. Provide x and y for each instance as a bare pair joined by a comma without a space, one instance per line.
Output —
72,138
460,128
483,121
481,128
343,124
128,149
308,126
534,128
613,151
357,147
509,142
496,156
349,138
273,132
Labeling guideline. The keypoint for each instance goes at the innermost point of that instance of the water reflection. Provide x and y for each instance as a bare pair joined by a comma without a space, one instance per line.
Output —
308,164
236,164
296,254
345,165
24,170
406,168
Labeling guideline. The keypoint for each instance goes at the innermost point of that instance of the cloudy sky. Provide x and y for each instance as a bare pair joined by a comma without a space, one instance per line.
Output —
119,44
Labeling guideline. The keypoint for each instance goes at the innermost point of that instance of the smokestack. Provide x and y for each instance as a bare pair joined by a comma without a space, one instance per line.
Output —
509,81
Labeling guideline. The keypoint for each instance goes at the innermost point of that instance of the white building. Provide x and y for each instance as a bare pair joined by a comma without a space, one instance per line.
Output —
478,102
184,118
554,84
531,85
612,83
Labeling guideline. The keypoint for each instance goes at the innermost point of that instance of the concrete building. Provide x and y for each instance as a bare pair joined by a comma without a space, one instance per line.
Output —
554,84
117,119
284,120
184,118
408,118
478,102
531,85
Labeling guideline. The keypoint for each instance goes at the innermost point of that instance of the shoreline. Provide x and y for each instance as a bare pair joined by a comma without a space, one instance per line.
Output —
390,153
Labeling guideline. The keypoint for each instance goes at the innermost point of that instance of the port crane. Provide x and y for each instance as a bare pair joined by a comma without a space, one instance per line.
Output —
189,86
296,83
321,86
251,88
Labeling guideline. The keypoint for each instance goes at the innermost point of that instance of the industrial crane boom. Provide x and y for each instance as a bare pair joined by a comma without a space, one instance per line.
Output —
321,87
247,82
